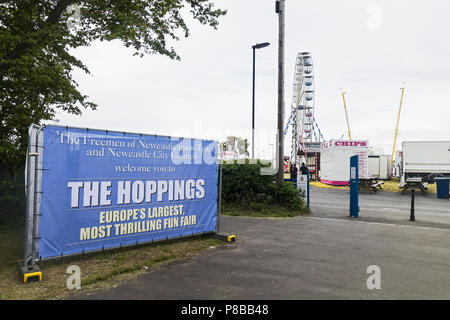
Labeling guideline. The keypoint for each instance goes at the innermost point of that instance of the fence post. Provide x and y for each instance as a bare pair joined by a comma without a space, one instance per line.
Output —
219,209
307,187
30,194
228,237
412,217
29,268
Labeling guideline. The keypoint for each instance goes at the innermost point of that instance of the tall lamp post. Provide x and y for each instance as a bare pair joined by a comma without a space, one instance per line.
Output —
256,46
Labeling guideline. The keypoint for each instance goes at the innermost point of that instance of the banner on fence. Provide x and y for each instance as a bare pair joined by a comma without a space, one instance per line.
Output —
105,189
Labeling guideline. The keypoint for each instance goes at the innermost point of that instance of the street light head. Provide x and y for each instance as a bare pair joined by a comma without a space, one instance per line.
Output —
261,45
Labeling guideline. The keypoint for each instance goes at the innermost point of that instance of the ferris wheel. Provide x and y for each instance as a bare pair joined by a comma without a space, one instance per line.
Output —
302,119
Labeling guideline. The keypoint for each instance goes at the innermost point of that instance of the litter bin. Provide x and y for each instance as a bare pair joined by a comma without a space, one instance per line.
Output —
443,187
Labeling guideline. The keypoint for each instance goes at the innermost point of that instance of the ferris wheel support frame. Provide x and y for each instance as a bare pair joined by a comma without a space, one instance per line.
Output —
303,104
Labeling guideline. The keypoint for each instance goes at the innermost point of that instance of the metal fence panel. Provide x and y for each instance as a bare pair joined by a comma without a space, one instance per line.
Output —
33,170
103,189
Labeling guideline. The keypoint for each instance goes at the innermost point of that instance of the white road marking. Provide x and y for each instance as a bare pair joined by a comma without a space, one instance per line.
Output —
379,223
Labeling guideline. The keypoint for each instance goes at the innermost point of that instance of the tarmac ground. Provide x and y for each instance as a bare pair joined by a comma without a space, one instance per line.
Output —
325,255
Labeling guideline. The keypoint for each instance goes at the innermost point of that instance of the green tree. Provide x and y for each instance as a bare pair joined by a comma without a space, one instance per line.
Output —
36,63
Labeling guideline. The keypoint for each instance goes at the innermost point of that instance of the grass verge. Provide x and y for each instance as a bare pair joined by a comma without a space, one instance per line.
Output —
265,211
389,185
319,184
393,186
101,270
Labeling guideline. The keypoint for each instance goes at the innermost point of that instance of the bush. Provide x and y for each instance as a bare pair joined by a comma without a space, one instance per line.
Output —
258,206
244,187
242,184
291,197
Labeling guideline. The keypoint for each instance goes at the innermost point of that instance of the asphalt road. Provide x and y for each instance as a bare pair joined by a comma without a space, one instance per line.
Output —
322,256
388,207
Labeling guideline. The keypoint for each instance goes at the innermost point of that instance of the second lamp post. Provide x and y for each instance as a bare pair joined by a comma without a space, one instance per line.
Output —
256,46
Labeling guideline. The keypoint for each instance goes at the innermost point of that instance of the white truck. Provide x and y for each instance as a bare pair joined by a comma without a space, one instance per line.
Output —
425,160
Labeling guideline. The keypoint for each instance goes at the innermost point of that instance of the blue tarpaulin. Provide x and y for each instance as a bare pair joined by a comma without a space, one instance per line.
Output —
105,189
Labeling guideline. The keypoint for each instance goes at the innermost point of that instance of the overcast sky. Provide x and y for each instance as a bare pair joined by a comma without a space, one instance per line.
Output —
368,48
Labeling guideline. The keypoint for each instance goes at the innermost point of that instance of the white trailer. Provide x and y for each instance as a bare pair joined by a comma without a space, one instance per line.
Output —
425,159
335,160
380,166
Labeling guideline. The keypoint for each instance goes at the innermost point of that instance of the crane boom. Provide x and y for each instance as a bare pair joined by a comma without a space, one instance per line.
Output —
346,116
398,121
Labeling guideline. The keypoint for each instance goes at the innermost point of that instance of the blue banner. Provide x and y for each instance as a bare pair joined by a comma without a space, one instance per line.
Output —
105,189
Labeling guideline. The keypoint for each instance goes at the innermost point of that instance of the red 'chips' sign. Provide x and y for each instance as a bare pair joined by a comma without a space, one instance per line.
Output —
351,143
